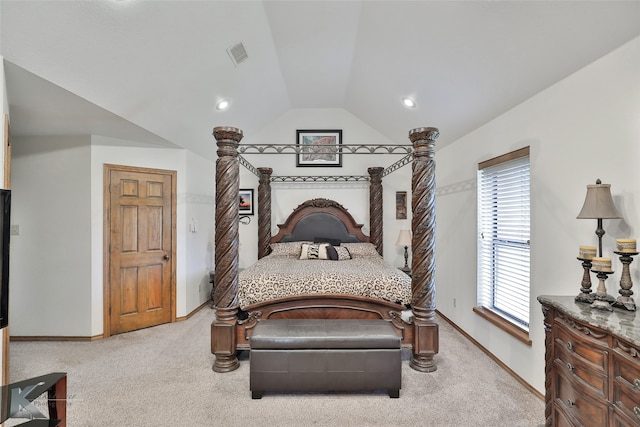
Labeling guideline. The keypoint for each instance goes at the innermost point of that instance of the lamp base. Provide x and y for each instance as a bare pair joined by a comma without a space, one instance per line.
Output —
406,269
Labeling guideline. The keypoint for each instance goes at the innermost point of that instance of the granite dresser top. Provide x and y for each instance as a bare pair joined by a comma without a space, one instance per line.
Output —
625,324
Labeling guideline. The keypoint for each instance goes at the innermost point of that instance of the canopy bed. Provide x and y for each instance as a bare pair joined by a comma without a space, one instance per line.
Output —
326,223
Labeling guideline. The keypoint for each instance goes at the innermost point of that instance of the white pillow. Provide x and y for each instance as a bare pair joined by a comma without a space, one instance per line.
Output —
362,250
287,249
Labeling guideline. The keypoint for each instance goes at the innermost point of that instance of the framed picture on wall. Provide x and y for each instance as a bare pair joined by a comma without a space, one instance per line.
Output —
246,201
401,205
319,148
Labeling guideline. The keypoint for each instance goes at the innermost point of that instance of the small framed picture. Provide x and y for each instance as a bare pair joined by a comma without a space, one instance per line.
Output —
319,148
246,201
401,205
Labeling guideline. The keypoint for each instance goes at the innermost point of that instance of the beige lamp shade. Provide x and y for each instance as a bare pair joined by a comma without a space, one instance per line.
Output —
404,238
598,203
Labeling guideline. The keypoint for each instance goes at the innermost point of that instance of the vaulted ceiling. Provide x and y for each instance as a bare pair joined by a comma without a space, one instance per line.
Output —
152,71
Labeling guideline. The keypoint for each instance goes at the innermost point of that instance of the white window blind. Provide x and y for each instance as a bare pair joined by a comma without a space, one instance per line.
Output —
503,238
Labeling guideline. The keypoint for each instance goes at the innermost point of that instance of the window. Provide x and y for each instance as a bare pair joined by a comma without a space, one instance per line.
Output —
503,239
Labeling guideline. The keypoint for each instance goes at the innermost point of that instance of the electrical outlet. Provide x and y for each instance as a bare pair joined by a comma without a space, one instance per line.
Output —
14,230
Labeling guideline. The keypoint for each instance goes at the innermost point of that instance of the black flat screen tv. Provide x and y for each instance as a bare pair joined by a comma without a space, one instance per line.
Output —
5,234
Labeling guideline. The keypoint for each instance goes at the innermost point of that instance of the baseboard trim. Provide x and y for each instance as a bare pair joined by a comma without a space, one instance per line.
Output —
493,357
56,338
197,309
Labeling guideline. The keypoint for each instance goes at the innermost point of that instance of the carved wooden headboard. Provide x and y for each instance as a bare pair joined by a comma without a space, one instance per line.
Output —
320,218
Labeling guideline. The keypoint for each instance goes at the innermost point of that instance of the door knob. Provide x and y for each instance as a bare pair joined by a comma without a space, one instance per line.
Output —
166,257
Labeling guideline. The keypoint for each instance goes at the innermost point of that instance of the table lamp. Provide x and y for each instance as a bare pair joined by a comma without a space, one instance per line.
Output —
404,239
599,205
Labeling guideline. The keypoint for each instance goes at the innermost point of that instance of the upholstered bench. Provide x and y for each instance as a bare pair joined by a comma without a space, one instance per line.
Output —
324,355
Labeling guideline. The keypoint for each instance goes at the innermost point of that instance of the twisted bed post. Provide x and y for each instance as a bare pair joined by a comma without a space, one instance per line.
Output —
423,284
264,212
375,207
225,296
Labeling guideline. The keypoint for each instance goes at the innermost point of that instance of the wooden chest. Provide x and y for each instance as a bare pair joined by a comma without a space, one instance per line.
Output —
592,369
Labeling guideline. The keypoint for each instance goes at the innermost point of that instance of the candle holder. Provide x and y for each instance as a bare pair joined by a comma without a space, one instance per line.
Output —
602,300
625,300
585,294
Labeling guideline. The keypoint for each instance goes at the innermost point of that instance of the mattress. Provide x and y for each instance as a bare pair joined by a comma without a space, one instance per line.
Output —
283,274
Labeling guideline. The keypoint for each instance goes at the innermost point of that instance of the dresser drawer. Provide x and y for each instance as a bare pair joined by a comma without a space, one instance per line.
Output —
570,398
626,364
626,380
562,419
586,344
590,379
627,400
621,420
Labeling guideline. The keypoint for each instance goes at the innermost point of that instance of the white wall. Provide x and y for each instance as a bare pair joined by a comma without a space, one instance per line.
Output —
200,228
50,277
3,88
582,128
352,195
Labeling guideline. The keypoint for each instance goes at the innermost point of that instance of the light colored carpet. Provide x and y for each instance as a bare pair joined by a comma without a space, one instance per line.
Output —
162,376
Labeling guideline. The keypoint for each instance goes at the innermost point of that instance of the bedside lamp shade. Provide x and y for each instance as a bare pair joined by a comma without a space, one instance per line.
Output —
404,238
598,204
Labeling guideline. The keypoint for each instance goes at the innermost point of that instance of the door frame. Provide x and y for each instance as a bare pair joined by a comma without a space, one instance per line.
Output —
6,184
108,168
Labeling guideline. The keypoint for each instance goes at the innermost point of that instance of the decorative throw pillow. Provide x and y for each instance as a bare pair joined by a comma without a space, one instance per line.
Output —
314,251
362,250
342,253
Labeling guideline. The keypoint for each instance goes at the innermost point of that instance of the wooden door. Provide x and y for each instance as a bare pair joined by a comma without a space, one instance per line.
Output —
141,248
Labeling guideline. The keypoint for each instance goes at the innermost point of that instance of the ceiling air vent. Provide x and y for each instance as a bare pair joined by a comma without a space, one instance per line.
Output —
237,53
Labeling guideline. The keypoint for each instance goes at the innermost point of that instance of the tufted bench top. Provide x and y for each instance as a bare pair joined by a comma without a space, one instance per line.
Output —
324,334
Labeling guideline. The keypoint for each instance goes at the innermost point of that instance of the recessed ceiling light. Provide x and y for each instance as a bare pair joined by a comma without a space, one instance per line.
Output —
222,105
408,102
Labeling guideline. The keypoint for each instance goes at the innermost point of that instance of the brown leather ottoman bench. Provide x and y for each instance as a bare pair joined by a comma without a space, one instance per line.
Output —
324,355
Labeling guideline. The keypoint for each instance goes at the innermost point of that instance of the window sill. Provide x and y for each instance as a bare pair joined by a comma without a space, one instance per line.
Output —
503,324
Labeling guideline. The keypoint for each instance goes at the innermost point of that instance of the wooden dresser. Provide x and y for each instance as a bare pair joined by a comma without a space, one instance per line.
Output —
592,365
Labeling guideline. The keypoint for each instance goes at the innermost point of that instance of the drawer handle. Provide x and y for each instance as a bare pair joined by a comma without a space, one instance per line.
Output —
570,346
570,404
636,410
570,367
636,383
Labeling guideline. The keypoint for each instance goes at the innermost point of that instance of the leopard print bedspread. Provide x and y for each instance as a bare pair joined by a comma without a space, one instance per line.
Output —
278,276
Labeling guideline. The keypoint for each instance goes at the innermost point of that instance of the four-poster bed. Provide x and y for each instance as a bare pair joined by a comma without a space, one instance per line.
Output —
230,333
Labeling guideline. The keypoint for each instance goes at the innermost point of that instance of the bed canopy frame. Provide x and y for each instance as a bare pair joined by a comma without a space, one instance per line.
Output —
230,334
